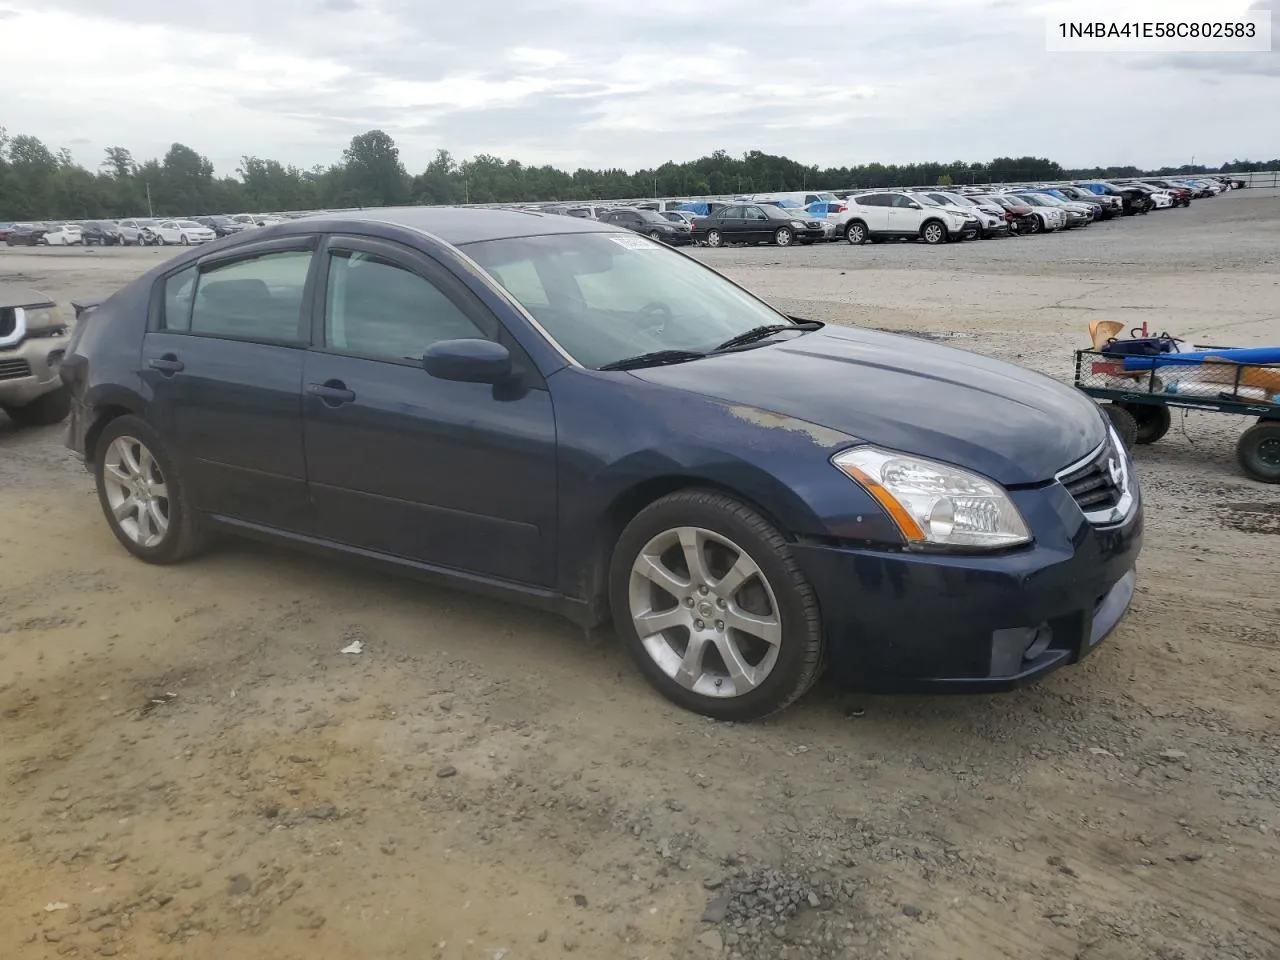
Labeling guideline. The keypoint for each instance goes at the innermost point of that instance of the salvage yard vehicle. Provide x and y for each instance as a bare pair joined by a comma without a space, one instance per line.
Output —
184,232
900,215
33,337
1053,215
757,223
651,223
104,233
992,217
1019,214
63,235
26,234
750,497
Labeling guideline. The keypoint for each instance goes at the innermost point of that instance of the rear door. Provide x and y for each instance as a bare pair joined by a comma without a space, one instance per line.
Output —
874,208
456,475
732,224
223,361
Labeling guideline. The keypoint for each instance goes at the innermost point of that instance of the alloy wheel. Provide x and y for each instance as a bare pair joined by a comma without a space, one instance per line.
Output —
714,239
136,491
933,233
705,612
783,237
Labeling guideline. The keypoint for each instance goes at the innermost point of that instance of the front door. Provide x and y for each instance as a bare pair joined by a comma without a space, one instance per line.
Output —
456,475
223,362
758,225
905,216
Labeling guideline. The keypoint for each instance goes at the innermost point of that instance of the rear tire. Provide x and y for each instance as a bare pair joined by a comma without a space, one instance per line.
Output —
184,535
1123,421
1258,451
46,409
715,238
726,538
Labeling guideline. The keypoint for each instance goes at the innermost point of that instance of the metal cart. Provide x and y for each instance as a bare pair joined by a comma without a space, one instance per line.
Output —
1139,401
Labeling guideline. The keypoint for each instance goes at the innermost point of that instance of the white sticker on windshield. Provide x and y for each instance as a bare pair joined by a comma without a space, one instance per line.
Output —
633,243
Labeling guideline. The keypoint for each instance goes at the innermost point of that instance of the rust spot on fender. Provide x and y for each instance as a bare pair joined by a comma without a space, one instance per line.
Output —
822,436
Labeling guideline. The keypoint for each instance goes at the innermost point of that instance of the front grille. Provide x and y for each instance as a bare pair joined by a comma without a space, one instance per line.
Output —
8,321
1097,483
14,369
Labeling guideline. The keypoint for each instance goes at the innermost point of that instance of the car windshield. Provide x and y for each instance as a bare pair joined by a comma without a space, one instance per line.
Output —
606,297
1050,199
147,223
651,216
190,224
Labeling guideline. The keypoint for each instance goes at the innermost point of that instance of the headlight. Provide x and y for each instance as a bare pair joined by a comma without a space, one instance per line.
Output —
936,503
798,224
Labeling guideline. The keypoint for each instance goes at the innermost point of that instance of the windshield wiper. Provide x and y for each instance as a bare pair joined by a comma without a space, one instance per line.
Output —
657,358
759,333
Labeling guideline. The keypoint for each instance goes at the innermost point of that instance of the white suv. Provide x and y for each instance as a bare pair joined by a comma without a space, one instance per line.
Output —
889,214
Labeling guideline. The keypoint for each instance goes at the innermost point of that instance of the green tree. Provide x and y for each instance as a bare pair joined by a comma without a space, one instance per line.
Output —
374,174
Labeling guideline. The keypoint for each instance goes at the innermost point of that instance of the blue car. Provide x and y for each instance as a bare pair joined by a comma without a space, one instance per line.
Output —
568,414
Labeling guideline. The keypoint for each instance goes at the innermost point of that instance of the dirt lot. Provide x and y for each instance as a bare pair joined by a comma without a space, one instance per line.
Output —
192,769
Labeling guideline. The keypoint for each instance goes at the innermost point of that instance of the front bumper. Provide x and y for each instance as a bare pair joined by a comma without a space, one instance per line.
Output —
29,370
899,622
967,231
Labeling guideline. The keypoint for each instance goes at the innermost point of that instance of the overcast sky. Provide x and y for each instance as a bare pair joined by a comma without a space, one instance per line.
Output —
625,83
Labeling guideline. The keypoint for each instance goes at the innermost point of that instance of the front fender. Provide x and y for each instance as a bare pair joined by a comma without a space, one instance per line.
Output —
623,443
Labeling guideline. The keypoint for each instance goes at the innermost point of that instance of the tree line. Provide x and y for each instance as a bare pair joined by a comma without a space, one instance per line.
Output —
38,183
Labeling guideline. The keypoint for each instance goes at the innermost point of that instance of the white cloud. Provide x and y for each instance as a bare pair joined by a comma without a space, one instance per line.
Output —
603,84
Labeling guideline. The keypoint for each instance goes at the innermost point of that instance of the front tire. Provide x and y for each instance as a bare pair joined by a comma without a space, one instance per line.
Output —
46,409
1258,451
933,233
711,604
142,494
856,233
184,240
783,237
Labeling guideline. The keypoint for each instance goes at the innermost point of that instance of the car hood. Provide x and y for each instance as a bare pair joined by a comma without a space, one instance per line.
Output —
1003,421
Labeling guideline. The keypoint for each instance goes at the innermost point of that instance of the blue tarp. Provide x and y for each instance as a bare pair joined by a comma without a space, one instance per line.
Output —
698,207
820,209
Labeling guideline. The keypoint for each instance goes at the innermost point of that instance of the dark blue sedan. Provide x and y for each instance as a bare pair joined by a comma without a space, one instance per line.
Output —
554,410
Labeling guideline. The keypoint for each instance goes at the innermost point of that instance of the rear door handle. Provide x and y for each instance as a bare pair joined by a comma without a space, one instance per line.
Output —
333,393
167,364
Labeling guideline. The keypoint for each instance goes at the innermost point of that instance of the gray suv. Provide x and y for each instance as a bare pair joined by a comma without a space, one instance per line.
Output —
33,337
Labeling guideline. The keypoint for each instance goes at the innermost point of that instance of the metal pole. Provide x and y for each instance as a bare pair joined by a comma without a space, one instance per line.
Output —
150,212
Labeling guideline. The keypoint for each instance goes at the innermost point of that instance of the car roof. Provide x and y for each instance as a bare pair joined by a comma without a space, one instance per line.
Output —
458,225
12,295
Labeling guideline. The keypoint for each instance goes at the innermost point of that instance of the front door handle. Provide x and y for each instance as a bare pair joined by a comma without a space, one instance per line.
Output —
168,364
333,393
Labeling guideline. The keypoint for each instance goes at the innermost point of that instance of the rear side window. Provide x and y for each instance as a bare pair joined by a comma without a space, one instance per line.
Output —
255,299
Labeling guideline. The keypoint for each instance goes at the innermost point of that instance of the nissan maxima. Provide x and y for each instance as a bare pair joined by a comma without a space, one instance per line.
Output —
558,411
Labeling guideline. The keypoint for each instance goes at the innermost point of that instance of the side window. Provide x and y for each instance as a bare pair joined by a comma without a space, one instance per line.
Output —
755,213
178,290
375,308
730,213
255,299
901,201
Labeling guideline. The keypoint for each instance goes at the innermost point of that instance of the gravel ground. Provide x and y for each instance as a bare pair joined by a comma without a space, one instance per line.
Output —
192,769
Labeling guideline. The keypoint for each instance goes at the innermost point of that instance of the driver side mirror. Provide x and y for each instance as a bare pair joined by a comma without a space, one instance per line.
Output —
913,205
468,361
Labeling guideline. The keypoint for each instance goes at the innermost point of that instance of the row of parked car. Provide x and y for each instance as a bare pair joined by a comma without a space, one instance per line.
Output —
136,231
932,215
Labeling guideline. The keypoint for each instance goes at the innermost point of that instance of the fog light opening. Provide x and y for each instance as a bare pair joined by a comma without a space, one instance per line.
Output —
1039,643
